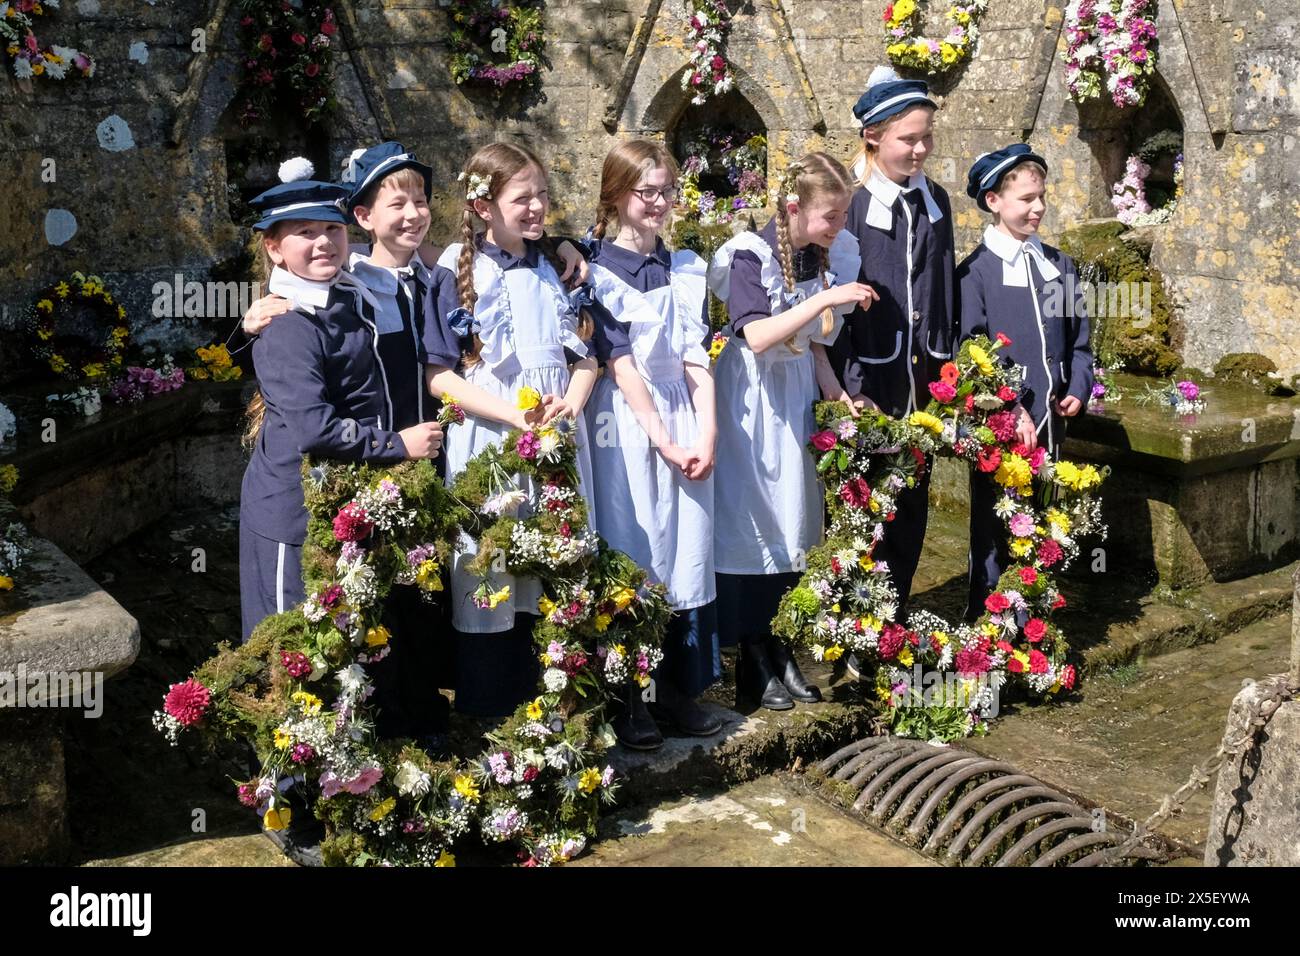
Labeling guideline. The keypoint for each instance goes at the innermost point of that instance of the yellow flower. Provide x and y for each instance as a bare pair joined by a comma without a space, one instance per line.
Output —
45,334
529,398
282,739
895,50
872,623
921,49
947,52
981,360
716,347
277,818
198,374
311,704
38,68
93,370
445,859
1014,472
832,653
1021,547
58,364
942,638
866,562
905,657
427,575
642,680
8,478
1076,478
120,333
904,9
589,780
377,636
6,583
602,622
465,786
61,290
1023,658
121,313
45,305
545,605
926,420
622,598
534,710
496,597
619,650
383,810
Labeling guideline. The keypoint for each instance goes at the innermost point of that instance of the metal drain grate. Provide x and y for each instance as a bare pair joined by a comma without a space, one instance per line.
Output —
965,809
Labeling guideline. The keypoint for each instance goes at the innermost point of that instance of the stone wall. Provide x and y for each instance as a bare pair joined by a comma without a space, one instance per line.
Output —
1230,69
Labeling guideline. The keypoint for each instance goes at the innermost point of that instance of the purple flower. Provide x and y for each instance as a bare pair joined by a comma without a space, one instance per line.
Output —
1189,391
1098,390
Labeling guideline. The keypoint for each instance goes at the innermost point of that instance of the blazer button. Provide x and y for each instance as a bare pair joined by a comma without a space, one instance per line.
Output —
913,359
916,316
389,445
374,444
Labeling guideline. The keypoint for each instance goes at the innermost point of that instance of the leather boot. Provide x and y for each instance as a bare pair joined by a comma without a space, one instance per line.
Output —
756,681
784,665
683,712
634,726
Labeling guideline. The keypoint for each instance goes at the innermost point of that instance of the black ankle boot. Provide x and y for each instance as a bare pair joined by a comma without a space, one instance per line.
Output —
682,712
634,726
785,667
756,681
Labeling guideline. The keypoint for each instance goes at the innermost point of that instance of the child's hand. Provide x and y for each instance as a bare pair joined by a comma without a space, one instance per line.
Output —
699,462
423,440
1069,406
261,312
575,267
559,406
851,293
1025,428
675,455
524,420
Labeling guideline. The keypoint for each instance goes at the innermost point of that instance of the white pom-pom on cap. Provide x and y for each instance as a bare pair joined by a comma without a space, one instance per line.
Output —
293,170
882,74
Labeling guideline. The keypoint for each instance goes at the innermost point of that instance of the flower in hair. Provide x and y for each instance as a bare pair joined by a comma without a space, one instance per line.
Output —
480,187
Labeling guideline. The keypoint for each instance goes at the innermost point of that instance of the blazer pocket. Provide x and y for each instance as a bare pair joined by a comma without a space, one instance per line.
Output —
898,347
943,354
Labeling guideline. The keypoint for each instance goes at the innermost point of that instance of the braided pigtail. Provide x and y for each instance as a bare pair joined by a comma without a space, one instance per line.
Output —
785,192
465,280
823,263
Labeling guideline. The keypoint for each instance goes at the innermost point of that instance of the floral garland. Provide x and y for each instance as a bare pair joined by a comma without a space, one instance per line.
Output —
30,58
14,542
1132,205
81,298
907,47
496,43
708,73
287,60
846,600
1184,397
1105,390
743,161
145,381
1110,45
298,687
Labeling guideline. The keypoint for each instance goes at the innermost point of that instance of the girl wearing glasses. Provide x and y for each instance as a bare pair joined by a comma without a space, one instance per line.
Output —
653,428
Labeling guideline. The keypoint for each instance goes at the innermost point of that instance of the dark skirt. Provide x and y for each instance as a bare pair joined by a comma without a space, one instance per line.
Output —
495,673
270,578
692,662
748,602
407,680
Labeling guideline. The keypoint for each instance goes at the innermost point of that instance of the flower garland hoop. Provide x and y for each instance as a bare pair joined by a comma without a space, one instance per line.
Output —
744,162
30,58
1132,205
708,73
846,600
84,299
906,46
1110,46
496,43
287,61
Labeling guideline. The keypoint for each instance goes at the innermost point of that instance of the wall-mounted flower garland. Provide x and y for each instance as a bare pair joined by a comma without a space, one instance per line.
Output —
287,62
743,160
14,540
30,57
496,43
1134,206
708,73
846,600
78,330
298,688
906,46
1111,47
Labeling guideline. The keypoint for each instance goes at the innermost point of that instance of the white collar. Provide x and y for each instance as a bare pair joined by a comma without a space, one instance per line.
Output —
1012,252
305,294
383,279
884,192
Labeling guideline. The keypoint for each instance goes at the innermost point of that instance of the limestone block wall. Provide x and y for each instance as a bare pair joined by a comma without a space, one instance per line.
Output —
1230,69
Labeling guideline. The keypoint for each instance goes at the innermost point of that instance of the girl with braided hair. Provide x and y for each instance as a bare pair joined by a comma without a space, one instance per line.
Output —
787,288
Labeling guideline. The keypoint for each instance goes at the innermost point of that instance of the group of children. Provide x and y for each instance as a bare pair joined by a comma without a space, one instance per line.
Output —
702,475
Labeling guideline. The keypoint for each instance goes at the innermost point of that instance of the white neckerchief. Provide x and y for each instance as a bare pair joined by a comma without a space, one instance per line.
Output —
1014,254
306,294
884,191
384,279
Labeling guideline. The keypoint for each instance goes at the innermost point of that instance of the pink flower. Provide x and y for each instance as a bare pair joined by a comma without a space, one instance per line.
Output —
1022,525
971,660
891,640
1028,577
301,753
856,493
943,392
298,39
331,597
1038,663
352,523
824,440
363,781
1049,552
1003,425
1189,391
527,446
1068,676
1035,630
1007,394
996,602
187,702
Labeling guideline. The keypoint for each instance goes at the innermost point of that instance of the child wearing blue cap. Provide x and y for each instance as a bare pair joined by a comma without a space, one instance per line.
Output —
1015,285
321,391
903,223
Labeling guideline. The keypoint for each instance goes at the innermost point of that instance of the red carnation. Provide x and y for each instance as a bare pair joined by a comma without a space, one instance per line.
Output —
824,441
1004,647
1028,577
298,39
1003,340
1035,630
1068,677
835,566
331,597
352,523
1049,552
1014,665
530,774
328,28
996,602
1003,425
717,63
988,459
920,461
856,493
311,69
891,640
1059,602
971,661
1037,662
187,702
970,403
1007,393
942,391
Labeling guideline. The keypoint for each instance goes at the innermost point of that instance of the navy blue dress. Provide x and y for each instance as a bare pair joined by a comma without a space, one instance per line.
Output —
1054,352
